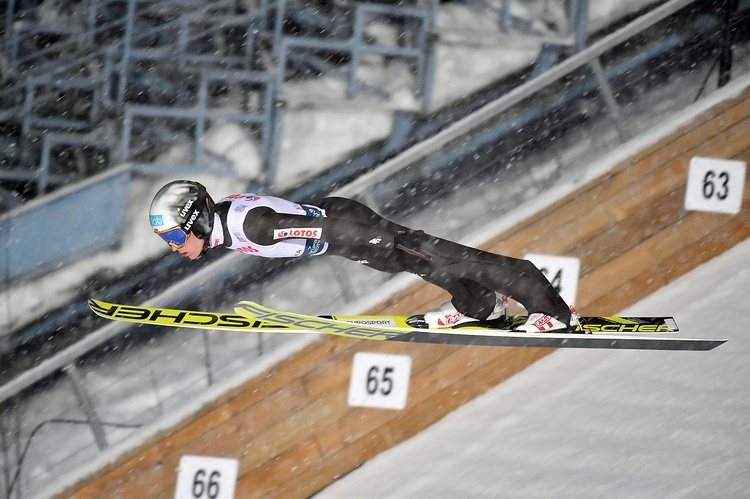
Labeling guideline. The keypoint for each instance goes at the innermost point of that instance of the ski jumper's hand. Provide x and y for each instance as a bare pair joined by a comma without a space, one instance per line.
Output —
416,243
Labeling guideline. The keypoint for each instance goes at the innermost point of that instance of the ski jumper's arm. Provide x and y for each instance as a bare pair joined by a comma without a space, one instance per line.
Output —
263,226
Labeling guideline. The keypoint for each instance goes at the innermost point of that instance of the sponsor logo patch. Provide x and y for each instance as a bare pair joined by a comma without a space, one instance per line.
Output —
186,208
315,246
239,236
247,197
311,233
193,216
365,321
248,250
157,220
543,322
450,319
313,211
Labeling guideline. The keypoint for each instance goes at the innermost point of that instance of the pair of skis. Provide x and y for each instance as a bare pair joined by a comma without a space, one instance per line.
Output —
641,333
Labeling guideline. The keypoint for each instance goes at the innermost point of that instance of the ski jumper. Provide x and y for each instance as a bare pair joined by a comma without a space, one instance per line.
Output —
273,227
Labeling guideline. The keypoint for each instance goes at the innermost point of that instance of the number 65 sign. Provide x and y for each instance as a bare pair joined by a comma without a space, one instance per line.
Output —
715,185
379,380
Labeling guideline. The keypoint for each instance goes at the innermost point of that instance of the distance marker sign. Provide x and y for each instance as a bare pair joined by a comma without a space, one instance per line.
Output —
715,185
205,477
561,271
379,380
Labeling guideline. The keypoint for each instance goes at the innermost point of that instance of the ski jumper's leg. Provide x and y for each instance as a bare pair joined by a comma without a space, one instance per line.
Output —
515,278
349,209
518,279
469,297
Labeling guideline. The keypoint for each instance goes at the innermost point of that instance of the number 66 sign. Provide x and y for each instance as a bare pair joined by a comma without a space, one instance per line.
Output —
205,477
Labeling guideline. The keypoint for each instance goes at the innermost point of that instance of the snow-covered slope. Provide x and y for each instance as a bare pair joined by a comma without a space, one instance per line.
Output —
599,423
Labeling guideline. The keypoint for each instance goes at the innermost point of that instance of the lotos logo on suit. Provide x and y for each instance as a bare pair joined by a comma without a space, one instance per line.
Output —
311,233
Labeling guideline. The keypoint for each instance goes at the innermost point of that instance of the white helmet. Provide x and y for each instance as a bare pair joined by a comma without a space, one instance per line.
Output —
179,208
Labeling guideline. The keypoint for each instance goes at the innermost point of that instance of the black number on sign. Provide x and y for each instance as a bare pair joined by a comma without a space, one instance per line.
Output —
556,281
387,380
210,488
385,383
709,185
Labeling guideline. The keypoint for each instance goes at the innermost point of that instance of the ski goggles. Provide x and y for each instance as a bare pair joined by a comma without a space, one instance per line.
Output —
175,237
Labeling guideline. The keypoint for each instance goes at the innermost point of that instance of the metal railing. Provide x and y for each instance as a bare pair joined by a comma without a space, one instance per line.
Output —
106,74
85,127
75,68
418,27
267,119
589,56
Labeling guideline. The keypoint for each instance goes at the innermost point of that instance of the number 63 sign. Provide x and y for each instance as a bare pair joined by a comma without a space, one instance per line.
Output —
715,185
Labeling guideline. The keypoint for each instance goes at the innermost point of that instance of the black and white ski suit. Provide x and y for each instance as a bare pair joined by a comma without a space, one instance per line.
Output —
272,227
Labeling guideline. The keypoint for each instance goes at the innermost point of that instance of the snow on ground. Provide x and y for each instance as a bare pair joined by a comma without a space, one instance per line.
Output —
615,424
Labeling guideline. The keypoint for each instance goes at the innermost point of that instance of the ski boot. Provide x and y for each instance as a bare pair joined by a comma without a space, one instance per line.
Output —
447,316
543,323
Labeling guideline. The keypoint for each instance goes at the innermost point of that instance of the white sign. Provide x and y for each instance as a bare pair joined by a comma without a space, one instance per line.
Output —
379,380
561,271
715,185
203,477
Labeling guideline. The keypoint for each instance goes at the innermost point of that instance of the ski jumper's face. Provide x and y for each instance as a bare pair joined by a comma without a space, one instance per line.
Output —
192,248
